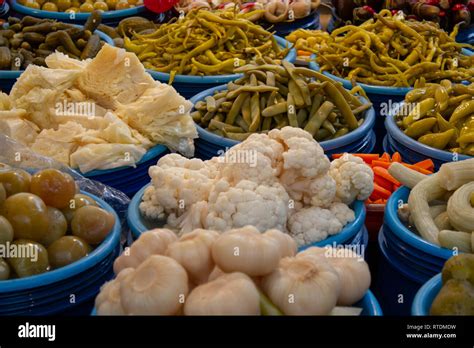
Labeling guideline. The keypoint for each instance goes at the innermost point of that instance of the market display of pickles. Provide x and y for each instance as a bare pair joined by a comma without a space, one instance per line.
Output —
80,6
45,223
30,40
440,116
393,52
203,43
270,95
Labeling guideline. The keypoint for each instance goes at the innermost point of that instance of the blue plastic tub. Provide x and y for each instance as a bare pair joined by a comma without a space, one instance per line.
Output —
107,17
395,285
425,296
9,77
49,293
361,140
406,261
129,179
413,151
189,85
466,35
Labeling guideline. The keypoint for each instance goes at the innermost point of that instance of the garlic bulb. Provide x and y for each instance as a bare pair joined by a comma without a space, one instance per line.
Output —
353,271
303,285
158,286
230,294
193,252
108,301
287,244
153,242
246,250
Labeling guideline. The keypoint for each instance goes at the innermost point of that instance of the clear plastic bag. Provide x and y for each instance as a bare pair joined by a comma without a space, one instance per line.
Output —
17,155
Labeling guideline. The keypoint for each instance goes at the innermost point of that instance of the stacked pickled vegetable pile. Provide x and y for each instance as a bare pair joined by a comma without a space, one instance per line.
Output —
30,40
391,51
45,217
456,297
270,95
202,274
204,43
440,116
74,6
440,206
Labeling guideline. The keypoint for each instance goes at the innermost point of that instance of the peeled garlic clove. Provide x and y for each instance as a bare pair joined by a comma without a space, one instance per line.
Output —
353,272
246,250
158,286
193,252
216,273
229,294
108,301
153,242
287,244
303,285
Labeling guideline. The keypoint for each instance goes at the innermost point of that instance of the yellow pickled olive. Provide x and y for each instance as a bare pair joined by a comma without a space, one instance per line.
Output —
441,97
438,140
463,110
419,111
418,128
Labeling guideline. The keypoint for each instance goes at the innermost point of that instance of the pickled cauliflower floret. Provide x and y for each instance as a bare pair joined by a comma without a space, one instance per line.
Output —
354,179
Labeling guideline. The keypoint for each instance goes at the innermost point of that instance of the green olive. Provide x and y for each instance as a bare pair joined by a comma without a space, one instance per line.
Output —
63,5
4,270
92,224
54,187
66,250
57,226
31,258
14,182
77,202
6,231
27,214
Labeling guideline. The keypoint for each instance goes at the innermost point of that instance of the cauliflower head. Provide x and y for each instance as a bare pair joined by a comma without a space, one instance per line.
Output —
354,179
247,203
313,224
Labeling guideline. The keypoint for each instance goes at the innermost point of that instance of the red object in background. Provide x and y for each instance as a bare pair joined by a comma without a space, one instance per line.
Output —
369,9
432,2
160,6
1,2
459,7
442,13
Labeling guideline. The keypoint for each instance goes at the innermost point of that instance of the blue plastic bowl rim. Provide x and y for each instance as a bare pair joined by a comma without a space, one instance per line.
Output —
78,16
191,79
134,220
397,91
327,145
105,248
11,74
154,152
402,232
372,304
412,144
424,297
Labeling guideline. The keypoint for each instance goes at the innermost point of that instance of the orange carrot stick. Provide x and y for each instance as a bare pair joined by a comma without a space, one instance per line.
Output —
382,164
396,157
381,181
385,157
367,157
380,192
425,164
382,172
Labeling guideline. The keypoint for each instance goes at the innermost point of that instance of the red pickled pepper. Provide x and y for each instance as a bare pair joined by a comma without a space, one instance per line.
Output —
160,6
